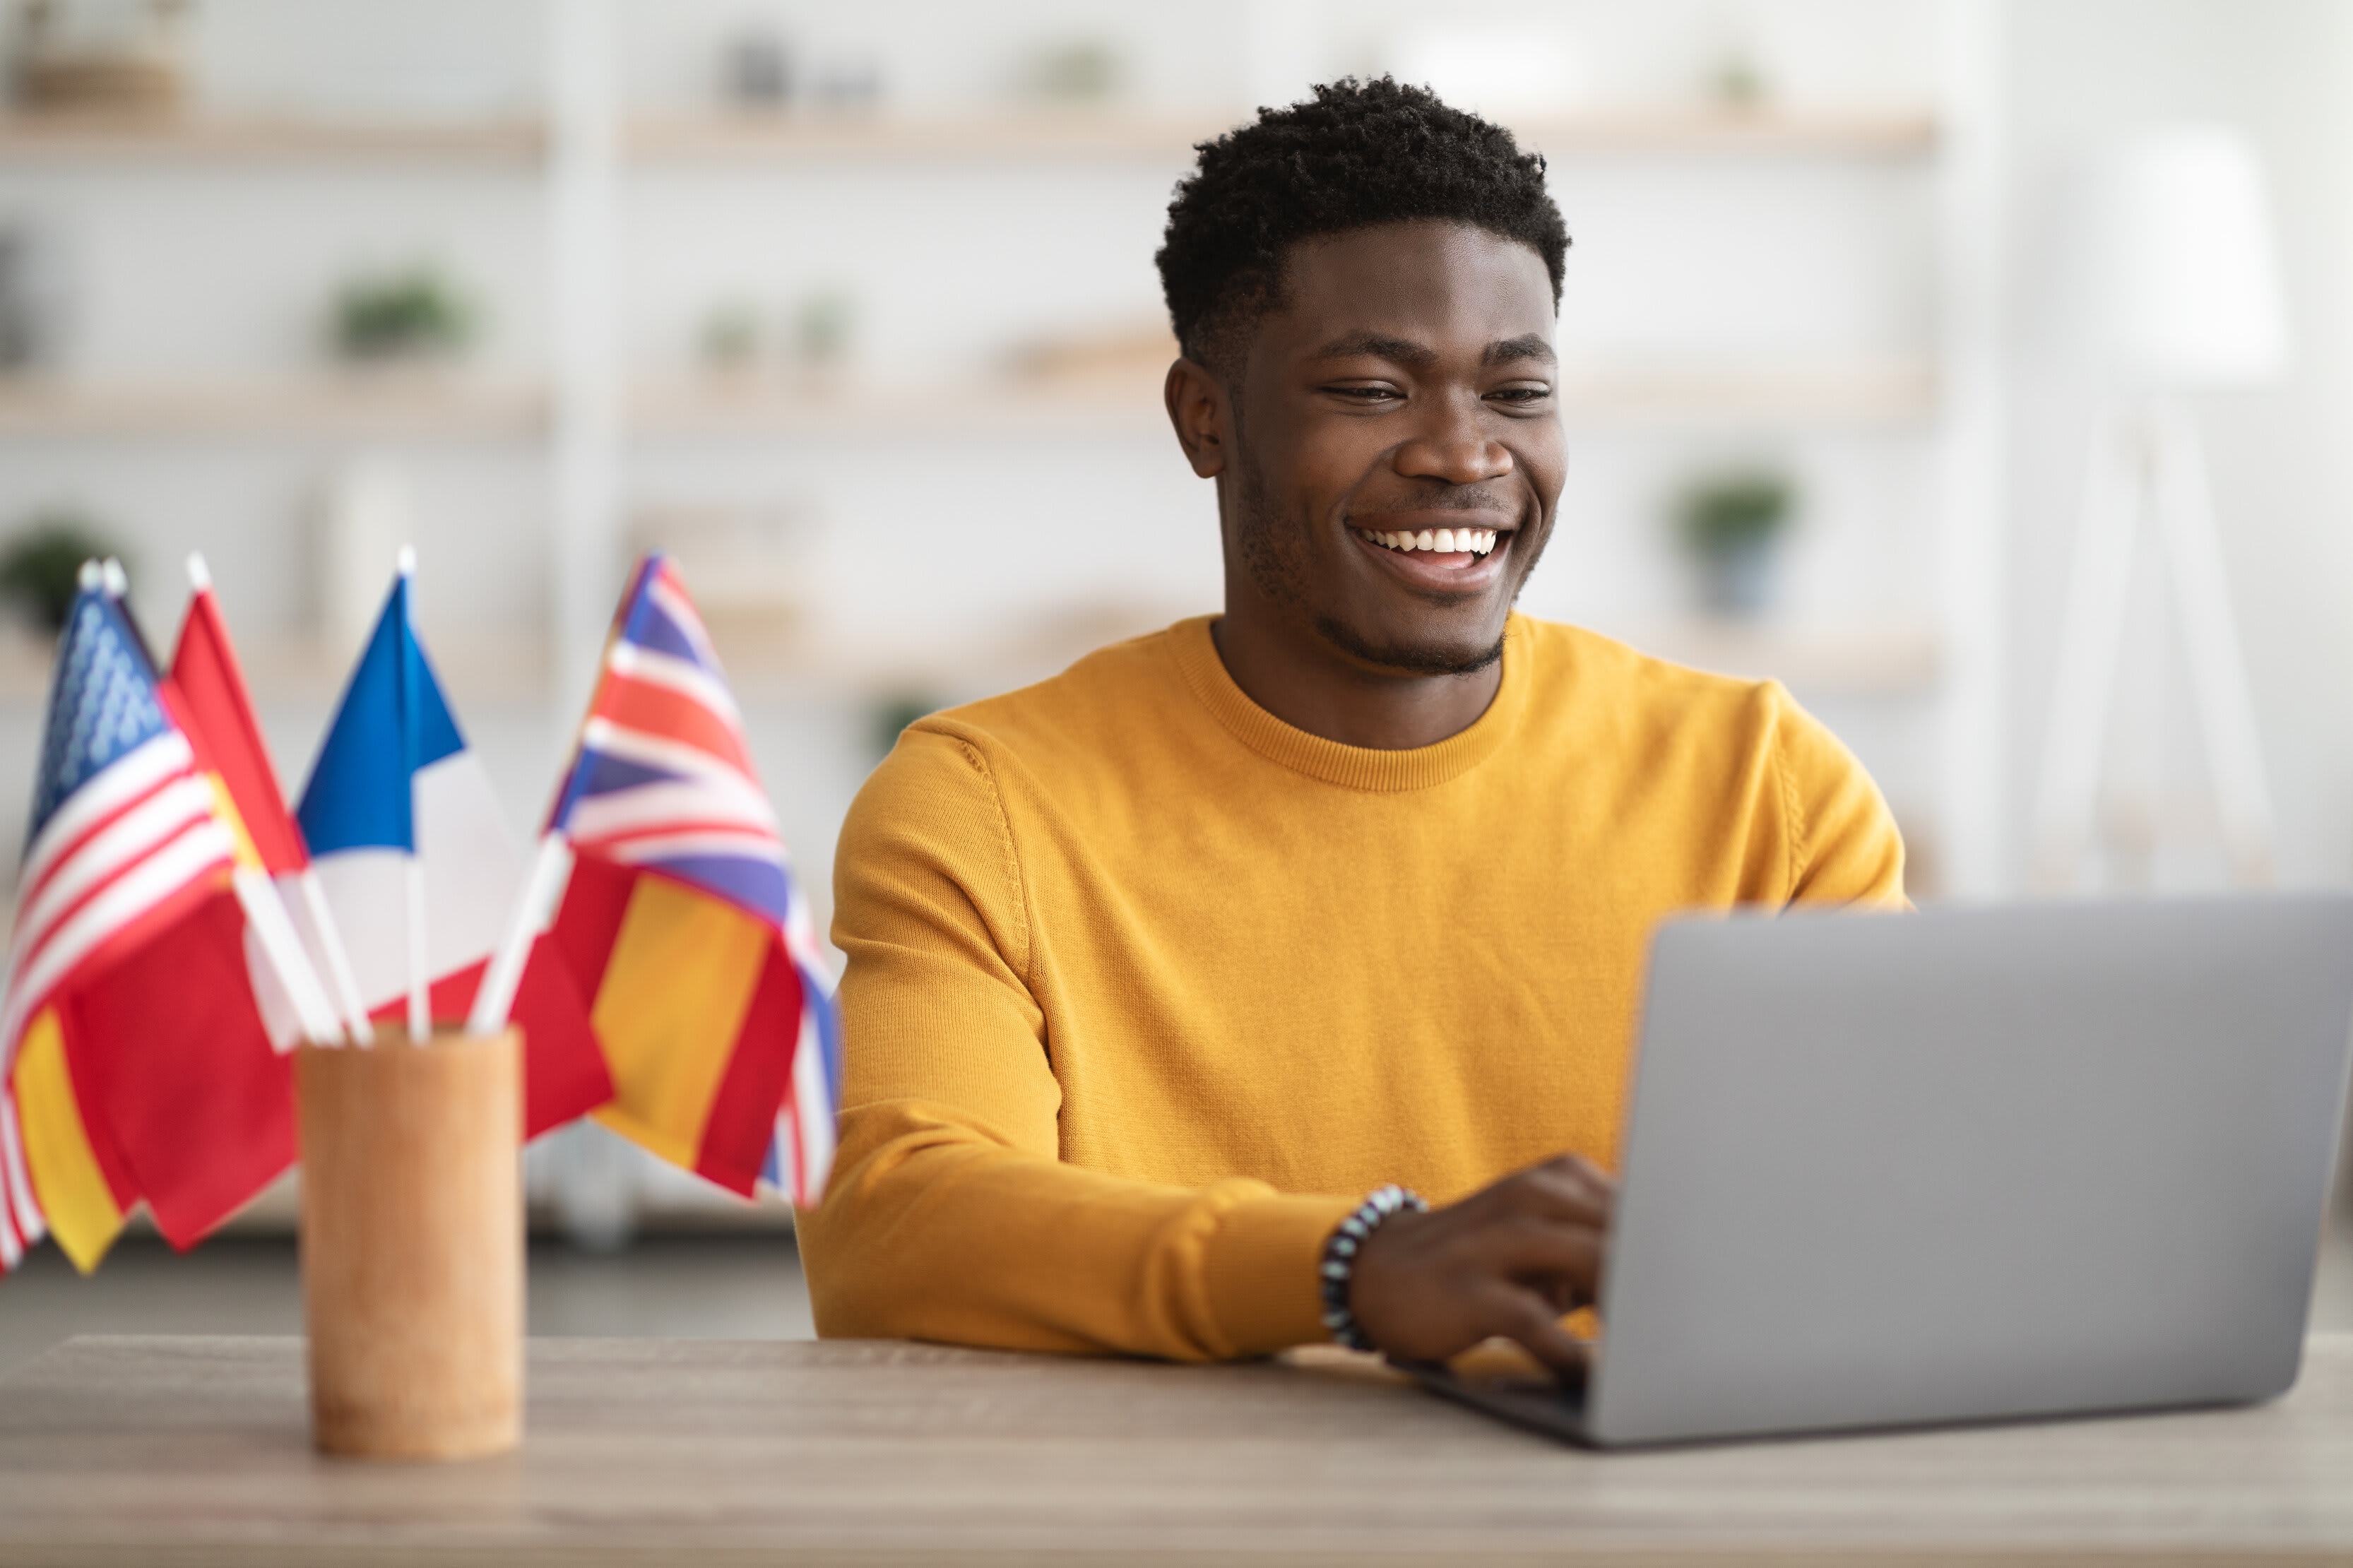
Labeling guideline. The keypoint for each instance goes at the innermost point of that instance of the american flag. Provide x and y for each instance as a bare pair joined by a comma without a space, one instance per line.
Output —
664,782
125,836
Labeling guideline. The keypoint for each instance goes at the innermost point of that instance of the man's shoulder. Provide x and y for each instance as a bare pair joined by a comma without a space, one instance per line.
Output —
1574,664
1643,706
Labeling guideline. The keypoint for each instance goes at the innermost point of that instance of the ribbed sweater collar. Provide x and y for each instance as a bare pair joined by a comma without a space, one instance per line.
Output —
1351,767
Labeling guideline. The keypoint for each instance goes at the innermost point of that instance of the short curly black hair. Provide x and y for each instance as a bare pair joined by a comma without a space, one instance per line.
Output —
1356,155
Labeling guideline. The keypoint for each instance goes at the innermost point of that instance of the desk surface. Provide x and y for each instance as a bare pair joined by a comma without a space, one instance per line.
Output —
179,1451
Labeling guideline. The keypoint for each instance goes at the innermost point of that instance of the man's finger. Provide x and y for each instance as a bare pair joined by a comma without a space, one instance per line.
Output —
1559,1196
1530,1323
1582,1173
1532,1250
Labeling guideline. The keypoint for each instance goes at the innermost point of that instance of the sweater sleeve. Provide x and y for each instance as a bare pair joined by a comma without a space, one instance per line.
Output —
950,1214
1844,847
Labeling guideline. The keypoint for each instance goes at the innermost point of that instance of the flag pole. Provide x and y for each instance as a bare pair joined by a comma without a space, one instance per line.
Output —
420,1001
265,910
343,990
265,916
551,868
339,957
550,873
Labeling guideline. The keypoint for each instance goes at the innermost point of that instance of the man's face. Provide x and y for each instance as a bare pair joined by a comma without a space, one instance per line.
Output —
1400,401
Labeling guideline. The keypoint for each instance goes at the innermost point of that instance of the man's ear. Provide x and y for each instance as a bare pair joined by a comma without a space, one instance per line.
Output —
1199,409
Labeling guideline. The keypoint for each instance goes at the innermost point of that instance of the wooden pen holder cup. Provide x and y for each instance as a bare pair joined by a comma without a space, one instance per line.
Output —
412,1245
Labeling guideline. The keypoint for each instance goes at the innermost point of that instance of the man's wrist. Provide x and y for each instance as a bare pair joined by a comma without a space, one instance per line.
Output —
1337,1271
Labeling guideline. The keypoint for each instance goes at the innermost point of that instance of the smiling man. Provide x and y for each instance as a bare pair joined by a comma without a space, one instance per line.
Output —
1163,972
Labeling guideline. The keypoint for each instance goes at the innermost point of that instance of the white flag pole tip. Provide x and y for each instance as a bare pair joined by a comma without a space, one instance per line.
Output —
200,577
405,562
117,581
91,576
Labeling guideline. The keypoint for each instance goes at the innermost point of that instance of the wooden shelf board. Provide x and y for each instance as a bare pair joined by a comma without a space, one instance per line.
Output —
1889,395
1799,395
358,405
819,138
814,138
363,405
1843,133
27,138
979,408
1893,658
1857,660
35,138
485,668
475,667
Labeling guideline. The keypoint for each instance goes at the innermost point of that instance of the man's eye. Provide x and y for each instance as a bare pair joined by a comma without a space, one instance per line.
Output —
1521,395
1369,395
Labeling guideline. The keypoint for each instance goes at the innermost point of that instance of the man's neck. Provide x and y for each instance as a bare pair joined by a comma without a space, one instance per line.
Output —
1310,685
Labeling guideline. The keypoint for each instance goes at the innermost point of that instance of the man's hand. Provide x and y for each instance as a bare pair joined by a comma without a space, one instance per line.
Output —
1510,1259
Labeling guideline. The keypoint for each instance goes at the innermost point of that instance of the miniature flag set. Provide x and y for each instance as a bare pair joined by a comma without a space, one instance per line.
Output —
179,929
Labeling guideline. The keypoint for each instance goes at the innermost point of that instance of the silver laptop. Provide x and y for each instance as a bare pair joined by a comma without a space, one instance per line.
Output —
1964,1166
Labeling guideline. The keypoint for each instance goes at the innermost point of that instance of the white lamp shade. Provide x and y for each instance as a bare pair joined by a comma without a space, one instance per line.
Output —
2184,280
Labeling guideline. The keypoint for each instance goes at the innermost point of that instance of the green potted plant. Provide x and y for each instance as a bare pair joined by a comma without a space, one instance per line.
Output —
404,316
1730,523
40,566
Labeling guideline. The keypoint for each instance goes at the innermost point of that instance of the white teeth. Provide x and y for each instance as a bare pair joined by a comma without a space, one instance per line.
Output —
1445,541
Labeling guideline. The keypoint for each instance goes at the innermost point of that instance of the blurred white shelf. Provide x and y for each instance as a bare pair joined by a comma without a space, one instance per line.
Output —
476,667
1867,660
33,139
1891,393
1861,134
1871,394
456,408
361,404
820,138
1086,133
726,407
1863,660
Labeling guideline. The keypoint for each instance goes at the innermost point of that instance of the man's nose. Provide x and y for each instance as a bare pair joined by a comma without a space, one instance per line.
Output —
1453,450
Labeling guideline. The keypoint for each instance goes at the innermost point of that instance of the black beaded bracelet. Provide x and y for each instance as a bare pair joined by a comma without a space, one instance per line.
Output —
1339,1265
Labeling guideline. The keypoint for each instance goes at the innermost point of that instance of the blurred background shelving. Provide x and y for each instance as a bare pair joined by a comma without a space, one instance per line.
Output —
834,302
93,139
294,407
1096,135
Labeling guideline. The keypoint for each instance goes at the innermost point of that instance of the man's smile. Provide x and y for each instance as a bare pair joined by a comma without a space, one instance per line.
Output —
1459,560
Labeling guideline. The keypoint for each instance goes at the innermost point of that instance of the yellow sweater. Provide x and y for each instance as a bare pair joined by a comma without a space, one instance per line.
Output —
1147,988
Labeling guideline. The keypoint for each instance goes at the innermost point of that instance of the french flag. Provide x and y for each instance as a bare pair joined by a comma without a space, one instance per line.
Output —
418,871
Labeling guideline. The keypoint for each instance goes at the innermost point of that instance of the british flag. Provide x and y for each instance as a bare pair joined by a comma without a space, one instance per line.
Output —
683,918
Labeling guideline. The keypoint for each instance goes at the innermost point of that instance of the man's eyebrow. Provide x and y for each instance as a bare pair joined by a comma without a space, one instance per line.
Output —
1530,345
1378,345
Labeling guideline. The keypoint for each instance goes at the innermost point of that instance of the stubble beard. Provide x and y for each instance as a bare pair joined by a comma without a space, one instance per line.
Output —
1274,555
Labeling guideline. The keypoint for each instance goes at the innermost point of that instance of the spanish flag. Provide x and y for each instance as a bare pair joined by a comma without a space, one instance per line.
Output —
675,905
83,1187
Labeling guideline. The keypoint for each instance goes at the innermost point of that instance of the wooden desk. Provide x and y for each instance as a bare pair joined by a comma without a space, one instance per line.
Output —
194,1451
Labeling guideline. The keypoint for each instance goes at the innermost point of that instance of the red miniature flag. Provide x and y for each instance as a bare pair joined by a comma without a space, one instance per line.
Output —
206,689
133,1059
